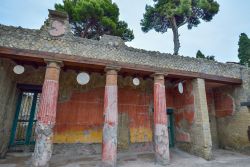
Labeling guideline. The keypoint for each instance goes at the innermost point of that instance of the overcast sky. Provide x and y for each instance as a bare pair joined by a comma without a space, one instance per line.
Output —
218,37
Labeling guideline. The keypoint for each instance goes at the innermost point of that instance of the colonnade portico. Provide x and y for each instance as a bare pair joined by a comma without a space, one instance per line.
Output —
47,118
211,90
47,115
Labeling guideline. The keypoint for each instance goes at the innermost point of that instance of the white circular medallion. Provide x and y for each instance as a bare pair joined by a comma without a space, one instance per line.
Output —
136,81
18,69
180,88
83,78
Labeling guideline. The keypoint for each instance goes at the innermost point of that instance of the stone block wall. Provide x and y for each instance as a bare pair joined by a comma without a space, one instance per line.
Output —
8,96
201,134
233,119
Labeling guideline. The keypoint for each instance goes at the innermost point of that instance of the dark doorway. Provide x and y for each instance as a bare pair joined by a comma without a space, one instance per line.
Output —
23,129
170,113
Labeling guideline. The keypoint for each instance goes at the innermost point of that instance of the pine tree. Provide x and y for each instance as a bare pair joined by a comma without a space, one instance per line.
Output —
199,54
172,14
93,18
244,49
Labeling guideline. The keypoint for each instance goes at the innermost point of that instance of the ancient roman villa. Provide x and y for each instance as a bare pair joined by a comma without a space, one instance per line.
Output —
64,91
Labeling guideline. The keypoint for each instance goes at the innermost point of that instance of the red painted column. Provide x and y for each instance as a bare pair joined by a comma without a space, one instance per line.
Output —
109,139
160,121
46,116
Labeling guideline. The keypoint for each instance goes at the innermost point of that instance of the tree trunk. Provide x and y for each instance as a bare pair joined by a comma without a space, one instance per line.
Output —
85,31
176,36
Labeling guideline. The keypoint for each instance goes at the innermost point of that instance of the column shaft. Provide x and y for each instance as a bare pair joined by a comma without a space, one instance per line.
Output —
202,142
109,141
46,116
161,139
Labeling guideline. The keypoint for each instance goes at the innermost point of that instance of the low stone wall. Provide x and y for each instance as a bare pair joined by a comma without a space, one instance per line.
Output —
106,50
8,96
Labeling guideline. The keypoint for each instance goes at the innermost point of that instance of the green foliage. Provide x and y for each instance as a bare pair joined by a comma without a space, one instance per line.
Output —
165,14
244,49
199,54
210,58
93,18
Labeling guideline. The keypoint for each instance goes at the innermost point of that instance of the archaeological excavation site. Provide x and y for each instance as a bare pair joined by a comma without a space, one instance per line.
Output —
66,97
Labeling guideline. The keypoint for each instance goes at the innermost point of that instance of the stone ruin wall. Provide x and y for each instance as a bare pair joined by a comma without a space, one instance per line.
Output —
233,120
8,98
228,120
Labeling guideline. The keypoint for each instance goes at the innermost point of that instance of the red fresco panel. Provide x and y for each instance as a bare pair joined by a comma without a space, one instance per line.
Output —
224,104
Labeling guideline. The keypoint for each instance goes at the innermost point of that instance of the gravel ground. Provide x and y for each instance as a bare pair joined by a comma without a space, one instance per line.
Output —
179,158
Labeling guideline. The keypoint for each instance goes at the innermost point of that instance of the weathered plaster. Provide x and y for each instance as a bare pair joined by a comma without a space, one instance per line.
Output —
85,105
161,137
44,144
184,112
212,117
192,120
8,98
233,127
109,136
46,116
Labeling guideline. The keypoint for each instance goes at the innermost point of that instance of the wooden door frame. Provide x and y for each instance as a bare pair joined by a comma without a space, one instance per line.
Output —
24,88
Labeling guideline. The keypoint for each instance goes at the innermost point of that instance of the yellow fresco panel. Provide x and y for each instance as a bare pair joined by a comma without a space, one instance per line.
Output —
140,135
92,136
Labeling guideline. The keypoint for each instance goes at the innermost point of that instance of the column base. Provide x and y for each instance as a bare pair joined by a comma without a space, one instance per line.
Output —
162,156
43,147
109,152
160,161
106,164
